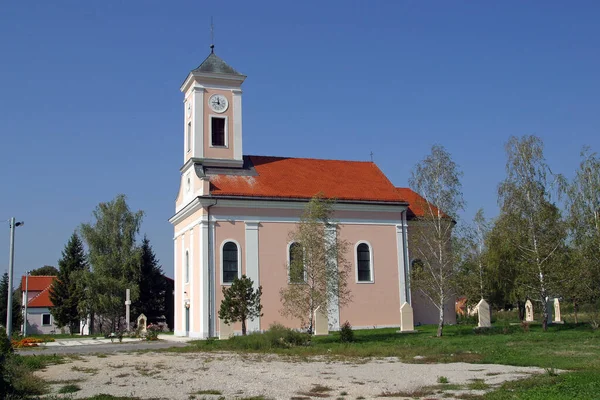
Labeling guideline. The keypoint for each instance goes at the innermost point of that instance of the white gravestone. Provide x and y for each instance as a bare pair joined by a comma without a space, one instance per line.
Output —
225,330
528,311
142,323
557,316
406,318
321,323
483,313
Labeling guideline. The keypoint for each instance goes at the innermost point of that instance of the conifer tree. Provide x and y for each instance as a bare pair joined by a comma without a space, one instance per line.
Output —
16,311
152,285
65,292
240,302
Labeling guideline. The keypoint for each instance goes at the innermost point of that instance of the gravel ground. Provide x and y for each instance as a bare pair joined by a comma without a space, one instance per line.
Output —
183,376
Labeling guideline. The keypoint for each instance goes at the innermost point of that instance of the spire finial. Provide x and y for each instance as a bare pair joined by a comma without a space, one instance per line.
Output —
212,36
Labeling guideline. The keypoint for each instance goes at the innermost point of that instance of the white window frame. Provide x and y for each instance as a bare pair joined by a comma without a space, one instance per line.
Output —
372,268
49,319
226,118
186,266
289,246
239,250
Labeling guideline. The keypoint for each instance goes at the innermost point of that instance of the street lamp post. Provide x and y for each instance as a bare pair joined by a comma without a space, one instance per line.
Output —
26,301
11,261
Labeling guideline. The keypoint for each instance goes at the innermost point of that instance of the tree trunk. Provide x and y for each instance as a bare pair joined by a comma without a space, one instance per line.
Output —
575,311
521,307
441,323
544,313
243,326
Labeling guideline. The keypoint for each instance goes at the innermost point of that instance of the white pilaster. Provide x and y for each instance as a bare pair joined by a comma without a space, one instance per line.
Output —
178,293
198,123
237,124
252,271
401,268
333,311
194,306
202,292
213,286
406,257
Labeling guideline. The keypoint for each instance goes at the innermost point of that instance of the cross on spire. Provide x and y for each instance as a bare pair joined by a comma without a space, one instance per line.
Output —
212,36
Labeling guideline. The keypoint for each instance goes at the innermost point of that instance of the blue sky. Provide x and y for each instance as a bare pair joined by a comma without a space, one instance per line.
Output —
90,104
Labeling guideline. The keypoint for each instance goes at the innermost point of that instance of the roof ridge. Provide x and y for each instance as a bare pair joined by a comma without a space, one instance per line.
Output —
38,295
313,158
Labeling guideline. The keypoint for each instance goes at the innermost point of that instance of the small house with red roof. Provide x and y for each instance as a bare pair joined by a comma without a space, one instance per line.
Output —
37,290
234,213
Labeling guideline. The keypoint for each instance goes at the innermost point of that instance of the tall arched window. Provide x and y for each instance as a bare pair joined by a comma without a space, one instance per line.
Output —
296,263
364,269
187,266
230,262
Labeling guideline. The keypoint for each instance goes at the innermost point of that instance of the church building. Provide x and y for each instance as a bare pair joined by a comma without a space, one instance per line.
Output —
234,212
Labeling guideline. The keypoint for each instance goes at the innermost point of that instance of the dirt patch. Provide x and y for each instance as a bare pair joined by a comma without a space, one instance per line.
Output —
177,376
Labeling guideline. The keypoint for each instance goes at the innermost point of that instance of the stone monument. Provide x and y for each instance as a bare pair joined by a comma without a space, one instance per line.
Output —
557,316
321,323
225,330
549,310
483,313
406,318
141,323
528,311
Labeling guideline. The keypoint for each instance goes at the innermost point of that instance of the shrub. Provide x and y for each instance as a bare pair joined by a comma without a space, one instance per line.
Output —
277,337
152,332
346,333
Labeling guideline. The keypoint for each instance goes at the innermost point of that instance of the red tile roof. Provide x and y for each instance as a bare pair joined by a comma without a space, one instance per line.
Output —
42,299
417,205
302,178
37,283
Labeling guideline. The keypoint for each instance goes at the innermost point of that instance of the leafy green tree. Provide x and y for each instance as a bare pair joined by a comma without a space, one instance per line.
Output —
240,302
473,276
65,293
114,258
436,244
319,269
17,318
46,270
152,285
503,265
525,200
583,206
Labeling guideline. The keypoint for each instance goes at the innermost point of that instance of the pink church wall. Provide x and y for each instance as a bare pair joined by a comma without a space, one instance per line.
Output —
377,303
228,230
273,239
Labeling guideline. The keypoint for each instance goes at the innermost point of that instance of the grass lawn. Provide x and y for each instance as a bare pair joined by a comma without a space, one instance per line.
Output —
570,347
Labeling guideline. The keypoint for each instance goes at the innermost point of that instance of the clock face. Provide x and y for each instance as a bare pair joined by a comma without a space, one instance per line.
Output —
218,103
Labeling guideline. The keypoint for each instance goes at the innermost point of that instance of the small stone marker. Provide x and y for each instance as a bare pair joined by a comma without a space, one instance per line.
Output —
225,330
321,323
483,313
406,318
557,317
528,311
141,323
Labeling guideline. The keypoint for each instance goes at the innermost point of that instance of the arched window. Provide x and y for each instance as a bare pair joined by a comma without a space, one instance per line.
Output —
364,269
296,263
230,262
187,266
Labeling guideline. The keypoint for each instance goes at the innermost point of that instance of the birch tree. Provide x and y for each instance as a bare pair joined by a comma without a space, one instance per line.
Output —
583,205
318,268
525,199
114,258
437,179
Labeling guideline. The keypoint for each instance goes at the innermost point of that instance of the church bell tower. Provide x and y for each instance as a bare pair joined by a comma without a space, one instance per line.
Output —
213,115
